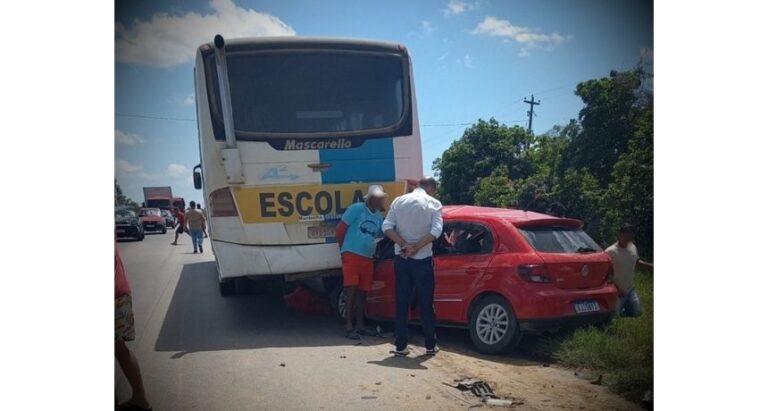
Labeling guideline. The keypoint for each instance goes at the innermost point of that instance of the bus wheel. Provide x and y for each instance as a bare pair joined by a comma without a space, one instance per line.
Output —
227,287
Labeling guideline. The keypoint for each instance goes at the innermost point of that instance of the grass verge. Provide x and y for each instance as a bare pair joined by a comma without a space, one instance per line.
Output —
622,352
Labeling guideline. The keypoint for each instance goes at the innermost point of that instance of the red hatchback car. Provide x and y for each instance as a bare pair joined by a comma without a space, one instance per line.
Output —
502,273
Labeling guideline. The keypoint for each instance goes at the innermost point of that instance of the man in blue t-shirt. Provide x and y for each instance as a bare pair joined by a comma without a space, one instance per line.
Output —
356,234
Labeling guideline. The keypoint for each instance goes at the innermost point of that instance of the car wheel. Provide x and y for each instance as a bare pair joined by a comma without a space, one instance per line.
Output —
164,230
227,287
339,301
493,325
140,237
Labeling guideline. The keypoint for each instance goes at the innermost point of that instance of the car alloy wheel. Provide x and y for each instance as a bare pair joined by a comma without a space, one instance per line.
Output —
341,304
492,324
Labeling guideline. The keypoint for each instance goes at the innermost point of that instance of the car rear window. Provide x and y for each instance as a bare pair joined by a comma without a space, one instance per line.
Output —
559,240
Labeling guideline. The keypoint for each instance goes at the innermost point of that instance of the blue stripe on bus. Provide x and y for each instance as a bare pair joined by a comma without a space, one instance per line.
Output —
374,160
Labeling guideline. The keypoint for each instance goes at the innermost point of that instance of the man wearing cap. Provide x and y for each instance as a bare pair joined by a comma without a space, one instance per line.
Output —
356,234
415,220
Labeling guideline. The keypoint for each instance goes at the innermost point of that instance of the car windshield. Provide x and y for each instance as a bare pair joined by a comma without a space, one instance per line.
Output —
124,214
149,212
559,240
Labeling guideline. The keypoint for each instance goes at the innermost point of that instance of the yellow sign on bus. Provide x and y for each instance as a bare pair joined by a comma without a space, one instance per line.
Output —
311,202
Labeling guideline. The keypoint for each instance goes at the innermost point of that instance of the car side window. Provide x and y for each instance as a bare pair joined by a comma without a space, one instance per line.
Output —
463,238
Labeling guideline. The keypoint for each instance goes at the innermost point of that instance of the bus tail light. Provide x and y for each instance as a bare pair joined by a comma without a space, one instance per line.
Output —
222,204
534,273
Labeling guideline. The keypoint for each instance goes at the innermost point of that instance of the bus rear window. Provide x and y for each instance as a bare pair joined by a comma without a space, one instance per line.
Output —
314,91
559,240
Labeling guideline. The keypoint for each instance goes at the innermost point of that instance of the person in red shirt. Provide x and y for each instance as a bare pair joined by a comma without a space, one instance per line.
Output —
180,221
125,331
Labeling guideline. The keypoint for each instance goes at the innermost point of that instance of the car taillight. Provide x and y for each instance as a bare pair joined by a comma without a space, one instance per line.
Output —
534,273
222,204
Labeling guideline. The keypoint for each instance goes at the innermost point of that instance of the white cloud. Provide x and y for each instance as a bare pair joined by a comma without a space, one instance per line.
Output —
127,169
188,101
467,61
168,40
128,139
457,7
177,170
528,38
427,27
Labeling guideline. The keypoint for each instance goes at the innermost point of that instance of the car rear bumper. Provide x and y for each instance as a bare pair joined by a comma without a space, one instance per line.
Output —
127,231
542,325
153,226
547,307
238,260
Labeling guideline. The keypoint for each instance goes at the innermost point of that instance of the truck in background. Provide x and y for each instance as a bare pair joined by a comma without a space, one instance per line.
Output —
158,197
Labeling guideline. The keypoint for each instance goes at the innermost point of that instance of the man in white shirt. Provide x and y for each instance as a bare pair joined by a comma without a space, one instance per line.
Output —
415,220
624,257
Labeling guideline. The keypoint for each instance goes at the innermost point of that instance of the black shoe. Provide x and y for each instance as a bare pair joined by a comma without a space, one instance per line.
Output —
201,249
433,351
401,353
194,252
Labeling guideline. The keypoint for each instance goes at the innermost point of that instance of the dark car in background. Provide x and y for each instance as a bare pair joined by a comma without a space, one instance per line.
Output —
127,225
152,220
170,220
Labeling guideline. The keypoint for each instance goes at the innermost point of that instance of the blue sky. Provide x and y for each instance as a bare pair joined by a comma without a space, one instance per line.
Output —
472,59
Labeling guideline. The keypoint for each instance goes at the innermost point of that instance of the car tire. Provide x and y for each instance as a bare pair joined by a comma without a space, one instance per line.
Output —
227,287
487,325
165,230
339,301
140,237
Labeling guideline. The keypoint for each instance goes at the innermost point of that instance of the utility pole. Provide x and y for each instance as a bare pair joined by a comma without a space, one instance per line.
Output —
532,103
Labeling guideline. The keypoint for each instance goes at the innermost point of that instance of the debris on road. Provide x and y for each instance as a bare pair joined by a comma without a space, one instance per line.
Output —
429,397
378,382
282,364
342,356
484,391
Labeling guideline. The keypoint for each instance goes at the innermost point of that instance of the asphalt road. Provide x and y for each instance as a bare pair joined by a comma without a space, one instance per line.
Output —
198,350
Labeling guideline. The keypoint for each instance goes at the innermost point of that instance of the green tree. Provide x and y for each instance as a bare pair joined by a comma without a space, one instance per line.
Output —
496,189
122,200
607,122
629,197
484,147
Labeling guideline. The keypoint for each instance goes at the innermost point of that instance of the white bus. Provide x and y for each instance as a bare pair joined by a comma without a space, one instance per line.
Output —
291,132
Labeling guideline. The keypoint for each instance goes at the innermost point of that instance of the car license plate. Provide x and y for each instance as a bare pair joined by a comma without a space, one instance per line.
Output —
586,306
121,231
321,231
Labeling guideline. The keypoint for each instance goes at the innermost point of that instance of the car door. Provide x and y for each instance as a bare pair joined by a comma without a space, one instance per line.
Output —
380,301
462,255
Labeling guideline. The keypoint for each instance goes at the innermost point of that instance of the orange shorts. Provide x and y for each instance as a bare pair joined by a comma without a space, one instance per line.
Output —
358,271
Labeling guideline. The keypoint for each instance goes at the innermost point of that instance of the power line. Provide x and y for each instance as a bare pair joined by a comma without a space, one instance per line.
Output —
150,117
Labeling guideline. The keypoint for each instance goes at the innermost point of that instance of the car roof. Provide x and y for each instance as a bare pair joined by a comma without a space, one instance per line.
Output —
514,216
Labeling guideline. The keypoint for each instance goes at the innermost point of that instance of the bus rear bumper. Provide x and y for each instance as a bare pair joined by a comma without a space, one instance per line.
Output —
237,260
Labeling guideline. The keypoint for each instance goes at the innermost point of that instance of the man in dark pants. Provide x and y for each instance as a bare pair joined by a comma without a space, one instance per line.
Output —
415,220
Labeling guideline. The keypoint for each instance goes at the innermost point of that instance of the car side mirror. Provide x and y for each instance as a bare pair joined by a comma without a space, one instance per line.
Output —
197,177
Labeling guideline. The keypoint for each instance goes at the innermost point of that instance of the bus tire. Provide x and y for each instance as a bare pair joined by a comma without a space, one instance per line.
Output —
227,287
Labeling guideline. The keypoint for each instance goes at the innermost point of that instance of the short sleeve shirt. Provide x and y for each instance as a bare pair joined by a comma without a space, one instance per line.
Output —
364,227
623,260
195,219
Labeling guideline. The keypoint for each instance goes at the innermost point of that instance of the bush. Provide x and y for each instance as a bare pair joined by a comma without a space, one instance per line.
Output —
622,352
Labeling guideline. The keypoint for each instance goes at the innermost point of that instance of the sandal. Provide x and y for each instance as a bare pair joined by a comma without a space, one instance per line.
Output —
352,335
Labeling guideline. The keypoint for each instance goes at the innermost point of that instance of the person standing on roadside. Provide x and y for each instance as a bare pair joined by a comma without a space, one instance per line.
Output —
624,258
356,234
205,228
195,226
125,331
180,224
415,220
